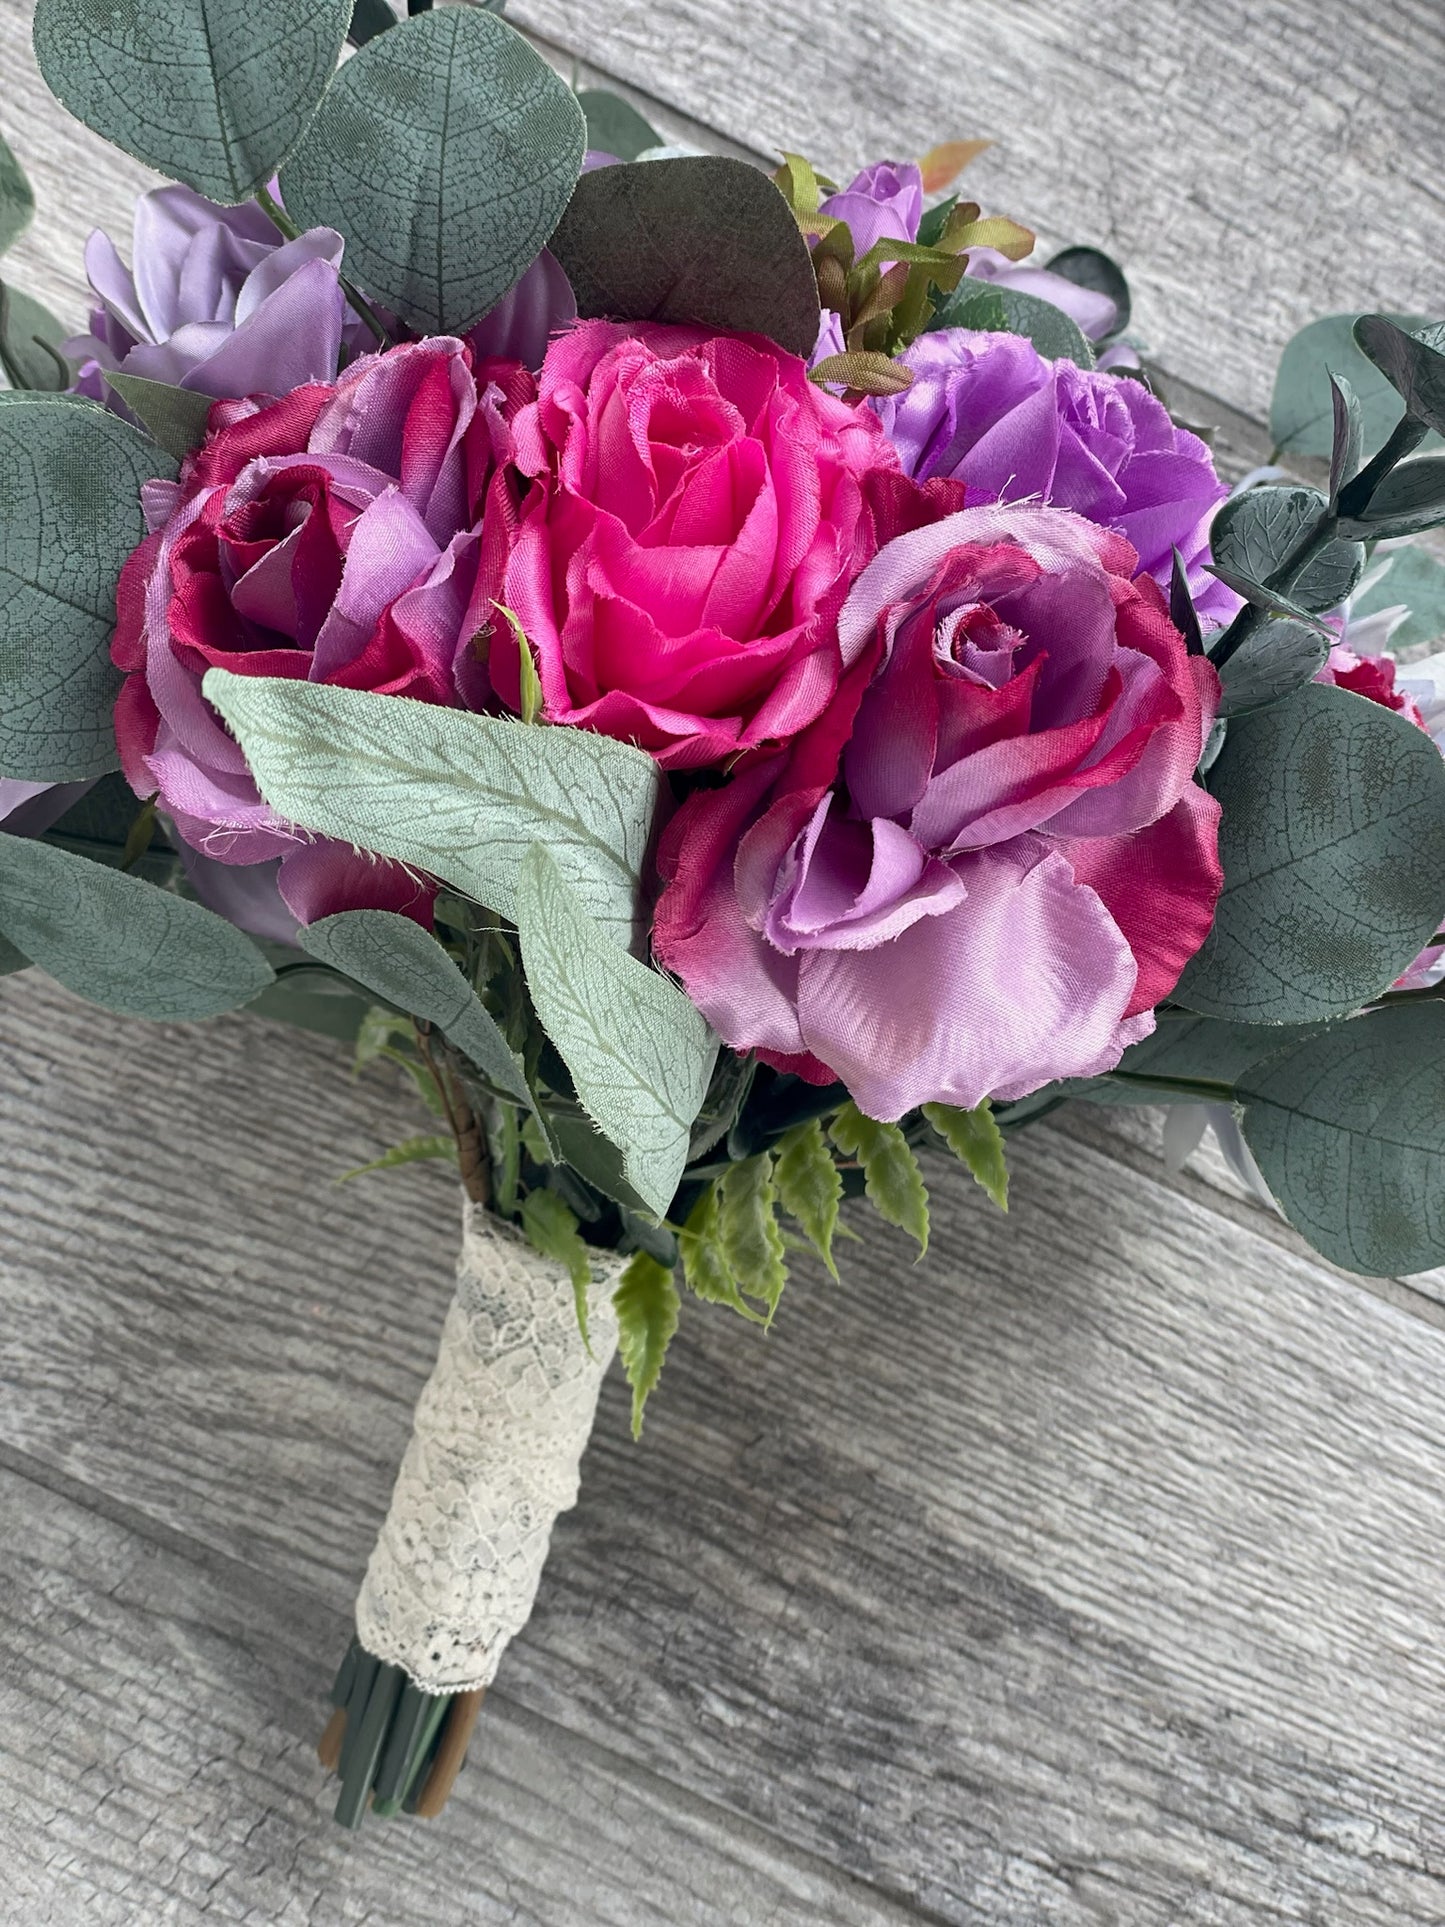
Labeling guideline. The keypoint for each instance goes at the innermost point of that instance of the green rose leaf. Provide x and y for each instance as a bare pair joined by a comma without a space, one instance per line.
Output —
809,1186
975,1139
1348,1128
614,125
647,1307
461,797
70,514
891,1177
214,93
1276,656
640,1054
1302,409
1092,268
1253,534
119,941
17,203
176,417
701,239
444,152
30,338
398,960
1333,847
980,304
1412,360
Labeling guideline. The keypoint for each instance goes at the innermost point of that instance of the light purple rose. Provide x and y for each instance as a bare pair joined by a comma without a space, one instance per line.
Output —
218,301
1094,314
988,410
883,203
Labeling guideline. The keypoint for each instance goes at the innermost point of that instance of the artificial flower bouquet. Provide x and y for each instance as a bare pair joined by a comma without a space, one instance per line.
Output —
723,678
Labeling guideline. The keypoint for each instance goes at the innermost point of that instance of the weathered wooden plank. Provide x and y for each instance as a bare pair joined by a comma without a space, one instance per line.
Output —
1088,1571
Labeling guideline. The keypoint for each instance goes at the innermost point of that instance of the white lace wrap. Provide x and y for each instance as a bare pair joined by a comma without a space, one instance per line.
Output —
495,1449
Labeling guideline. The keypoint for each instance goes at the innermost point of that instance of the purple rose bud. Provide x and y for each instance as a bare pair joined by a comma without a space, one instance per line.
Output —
883,203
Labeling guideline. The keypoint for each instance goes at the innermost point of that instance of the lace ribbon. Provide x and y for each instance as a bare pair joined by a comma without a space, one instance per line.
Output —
498,1437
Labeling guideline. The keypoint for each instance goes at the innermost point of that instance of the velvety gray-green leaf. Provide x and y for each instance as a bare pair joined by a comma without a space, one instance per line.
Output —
17,203
702,239
461,797
1333,847
1348,1129
1408,578
1301,412
444,152
1276,656
175,417
1253,534
647,1308
398,960
30,351
614,125
11,959
214,93
70,514
119,941
639,1052
1412,360
980,304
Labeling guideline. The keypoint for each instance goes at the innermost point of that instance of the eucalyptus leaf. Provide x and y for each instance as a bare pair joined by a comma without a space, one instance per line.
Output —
1302,410
459,796
1412,360
70,515
1276,656
1273,601
614,125
647,1307
1410,577
214,93
701,239
1254,533
980,304
119,941
1093,269
175,417
1349,436
1410,499
444,152
1209,1050
639,1052
17,202
30,344
398,960
1348,1129
1333,847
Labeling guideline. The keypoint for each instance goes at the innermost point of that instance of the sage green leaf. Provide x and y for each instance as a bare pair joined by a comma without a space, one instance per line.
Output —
1185,1049
640,1054
1093,269
1409,577
175,417
647,1307
1349,436
30,338
1301,411
411,1150
1273,601
596,1159
11,959
1276,656
70,514
461,797
1333,847
976,1140
214,93
1348,1129
748,1227
705,1267
1254,533
17,203
1412,360
1410,499
701,239
119,941
980,304
444,152
312,999
398,960
614,125
809,1185
892,1179
550,1227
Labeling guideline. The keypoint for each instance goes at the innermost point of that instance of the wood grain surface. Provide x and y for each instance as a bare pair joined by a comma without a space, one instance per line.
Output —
1088,1573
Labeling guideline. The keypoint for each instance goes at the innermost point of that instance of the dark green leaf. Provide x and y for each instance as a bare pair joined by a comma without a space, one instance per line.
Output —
17,203
595,1158
1255,533
70,514
411,1150
975,1138
614,125
1348,1129
748,1225
892,1178
647,1307
1093,269
1276,656
1412,361
368,19
1182,612
935,220
551,1228
706,239
1349,435
1301,413
444,152
316,1000
1410,499
210,92
119,941
1333,846
1190,1049
809,1186
30,338
982,305
11,959
176,417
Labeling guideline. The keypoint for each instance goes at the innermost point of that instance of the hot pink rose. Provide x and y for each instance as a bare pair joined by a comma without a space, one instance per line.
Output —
699,510
986,864
337,535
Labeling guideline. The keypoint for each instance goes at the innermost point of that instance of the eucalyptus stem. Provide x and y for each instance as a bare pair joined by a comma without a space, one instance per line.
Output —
1207,1089
1283,578
270,206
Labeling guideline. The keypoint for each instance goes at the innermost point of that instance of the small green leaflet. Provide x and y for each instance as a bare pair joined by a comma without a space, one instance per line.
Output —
647,1307
122,942
975,1138
30,338
891,1176
705,1266
176,417
551,1228
461,797
1301,413
211,92
809,1186
70,515
1412,360
398,960
1276,656
412,1150
639,1052
748,1227
444,152
530,682
1254,533
614,125
17,203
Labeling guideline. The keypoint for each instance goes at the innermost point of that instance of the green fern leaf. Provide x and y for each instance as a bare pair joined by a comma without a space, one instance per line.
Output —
751,1235
974,1137
705,1266
891,1175
411,1151
647,1306
809,1185
550,1227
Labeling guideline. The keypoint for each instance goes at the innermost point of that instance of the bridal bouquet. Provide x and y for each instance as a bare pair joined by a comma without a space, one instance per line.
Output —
723,678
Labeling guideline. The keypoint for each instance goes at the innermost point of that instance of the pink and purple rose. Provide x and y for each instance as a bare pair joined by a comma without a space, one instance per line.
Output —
988,861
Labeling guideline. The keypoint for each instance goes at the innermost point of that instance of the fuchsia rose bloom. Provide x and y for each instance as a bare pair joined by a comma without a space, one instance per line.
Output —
988,862
337,536
1372,677
698,511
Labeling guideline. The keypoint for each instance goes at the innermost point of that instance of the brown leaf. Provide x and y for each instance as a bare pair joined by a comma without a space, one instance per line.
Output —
942,165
